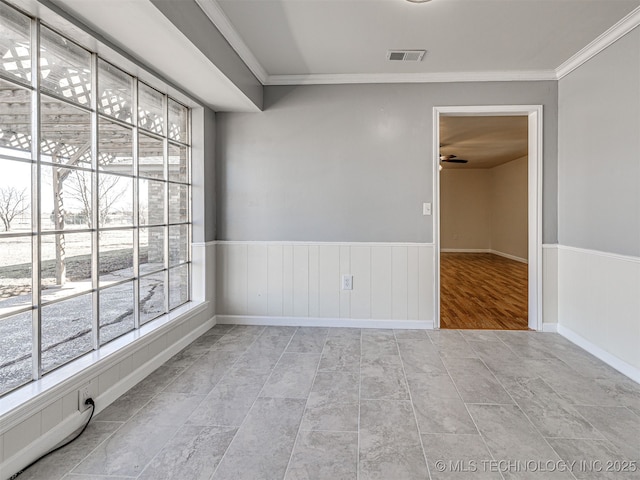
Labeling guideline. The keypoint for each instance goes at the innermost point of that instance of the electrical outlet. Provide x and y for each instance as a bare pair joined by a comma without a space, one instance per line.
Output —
83,393
347,282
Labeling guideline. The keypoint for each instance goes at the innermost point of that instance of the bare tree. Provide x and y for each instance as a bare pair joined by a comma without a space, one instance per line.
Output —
12,204
109,192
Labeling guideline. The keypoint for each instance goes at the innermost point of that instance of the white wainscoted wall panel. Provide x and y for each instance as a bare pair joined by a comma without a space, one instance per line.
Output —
413,283
275,281
400,283
300,283
257,280
345,267
599,305
287,282
361,293
550,288
329,271
381,282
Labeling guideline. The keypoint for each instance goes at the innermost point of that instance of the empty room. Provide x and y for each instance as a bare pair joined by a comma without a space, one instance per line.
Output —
484,236
319,239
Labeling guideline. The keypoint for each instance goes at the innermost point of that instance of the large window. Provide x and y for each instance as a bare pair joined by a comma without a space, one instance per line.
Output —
95,224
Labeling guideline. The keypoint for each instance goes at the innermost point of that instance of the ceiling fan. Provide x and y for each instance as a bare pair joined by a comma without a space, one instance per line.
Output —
452,159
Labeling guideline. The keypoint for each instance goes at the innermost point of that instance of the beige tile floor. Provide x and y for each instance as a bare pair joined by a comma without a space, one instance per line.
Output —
249,402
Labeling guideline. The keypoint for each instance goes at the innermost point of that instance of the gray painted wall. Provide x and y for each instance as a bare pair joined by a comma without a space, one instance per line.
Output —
599,151
351,162
189,18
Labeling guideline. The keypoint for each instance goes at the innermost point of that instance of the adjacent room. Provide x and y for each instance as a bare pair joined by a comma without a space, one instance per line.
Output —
484,207
347,239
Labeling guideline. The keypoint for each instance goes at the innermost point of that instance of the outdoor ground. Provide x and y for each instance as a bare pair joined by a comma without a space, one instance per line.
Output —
66,325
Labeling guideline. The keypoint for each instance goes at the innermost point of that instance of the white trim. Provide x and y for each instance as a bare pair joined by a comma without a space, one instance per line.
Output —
323,322
623,367
43,443
361,78
21,404
550,327
612,35
212,9
310,243
465,250
509,256
615,256
535,153
210,243
50,439
131,380
550,285
484,250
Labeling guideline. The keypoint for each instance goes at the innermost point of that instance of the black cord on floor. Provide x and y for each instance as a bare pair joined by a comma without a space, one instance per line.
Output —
88,401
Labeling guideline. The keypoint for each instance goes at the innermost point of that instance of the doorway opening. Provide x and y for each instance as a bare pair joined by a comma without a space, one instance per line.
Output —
488,217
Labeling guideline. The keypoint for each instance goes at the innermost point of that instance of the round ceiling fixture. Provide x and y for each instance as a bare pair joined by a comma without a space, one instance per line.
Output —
418,1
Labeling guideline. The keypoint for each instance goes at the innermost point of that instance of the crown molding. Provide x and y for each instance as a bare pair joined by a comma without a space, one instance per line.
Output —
328,79
619,30
212,9
215,13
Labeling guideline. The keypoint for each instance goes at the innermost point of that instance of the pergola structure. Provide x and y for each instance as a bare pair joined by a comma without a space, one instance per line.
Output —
65,131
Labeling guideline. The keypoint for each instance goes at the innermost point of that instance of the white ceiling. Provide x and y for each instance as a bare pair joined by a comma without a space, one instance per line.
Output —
485,141
346,41
351,37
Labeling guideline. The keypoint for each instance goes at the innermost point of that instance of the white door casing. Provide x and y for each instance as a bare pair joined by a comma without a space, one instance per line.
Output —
534,113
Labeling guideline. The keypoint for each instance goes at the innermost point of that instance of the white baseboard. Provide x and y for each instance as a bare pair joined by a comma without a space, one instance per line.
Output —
465,250
135,377
53,437
484,250
43,444
324,322
623,367
550,327
509,256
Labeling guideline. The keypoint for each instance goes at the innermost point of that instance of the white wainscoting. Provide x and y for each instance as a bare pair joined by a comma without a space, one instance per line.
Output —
599,305
300,283
550,288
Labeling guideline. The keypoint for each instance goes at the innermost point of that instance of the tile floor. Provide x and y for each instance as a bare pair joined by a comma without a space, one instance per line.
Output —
249,402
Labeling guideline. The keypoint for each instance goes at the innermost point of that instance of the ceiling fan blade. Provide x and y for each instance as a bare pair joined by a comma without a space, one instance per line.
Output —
456,160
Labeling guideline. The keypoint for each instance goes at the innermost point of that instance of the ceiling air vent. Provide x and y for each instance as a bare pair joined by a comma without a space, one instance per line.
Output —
406,55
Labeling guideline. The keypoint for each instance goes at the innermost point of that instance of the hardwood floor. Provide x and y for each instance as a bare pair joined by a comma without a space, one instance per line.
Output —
482,291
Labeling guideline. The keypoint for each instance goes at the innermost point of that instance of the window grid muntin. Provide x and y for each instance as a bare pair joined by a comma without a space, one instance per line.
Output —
34,159
36,278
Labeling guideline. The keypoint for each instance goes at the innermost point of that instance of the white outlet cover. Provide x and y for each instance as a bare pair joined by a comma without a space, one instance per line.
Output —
83,393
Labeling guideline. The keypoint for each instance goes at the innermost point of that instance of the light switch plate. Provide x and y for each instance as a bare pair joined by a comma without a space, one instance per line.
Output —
426,209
